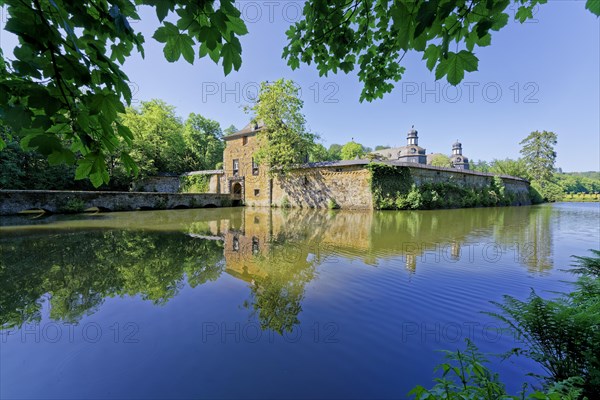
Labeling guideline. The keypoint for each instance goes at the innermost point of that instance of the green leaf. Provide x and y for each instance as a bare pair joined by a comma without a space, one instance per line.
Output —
237,25
455,65
593,6
45,144
164,33
431,54
129,164
425,16
402,21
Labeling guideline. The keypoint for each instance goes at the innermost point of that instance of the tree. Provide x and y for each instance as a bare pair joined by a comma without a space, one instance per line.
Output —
203,143
441,160
157,141
318,153
510,167
285,140
335,152
230,130
381,147
64,88
479,165
352,150
376,35
539,155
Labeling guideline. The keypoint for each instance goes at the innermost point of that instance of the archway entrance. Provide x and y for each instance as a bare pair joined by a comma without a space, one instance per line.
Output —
236,191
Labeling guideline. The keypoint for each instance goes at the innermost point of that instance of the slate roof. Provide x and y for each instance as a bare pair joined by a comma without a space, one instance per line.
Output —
248,130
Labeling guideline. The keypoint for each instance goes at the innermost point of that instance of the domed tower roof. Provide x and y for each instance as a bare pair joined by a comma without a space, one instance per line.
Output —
457,148
412,138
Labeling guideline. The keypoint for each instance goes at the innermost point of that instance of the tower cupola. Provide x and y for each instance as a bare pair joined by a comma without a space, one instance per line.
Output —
457,148
412,138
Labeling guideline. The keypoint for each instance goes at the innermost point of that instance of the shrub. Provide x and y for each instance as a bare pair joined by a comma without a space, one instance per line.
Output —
194,183
74,205
332,204
562,335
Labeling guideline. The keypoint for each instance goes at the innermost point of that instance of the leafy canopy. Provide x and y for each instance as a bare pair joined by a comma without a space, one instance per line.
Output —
539,155
441,160
63,90
373,36
352,150
284,139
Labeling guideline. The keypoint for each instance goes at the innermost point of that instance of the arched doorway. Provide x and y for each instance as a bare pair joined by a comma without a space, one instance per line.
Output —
236,191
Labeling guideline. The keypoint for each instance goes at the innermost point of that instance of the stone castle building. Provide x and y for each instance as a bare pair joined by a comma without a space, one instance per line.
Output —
346,183
414,153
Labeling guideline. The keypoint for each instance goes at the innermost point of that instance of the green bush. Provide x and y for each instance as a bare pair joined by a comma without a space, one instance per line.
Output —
563,334
465,375
73,205
393,189
332,204
194,183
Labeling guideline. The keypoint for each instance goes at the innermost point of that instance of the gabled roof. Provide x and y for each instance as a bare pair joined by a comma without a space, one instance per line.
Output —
248,130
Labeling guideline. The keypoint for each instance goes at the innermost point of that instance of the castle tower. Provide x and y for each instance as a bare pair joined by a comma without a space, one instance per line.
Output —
412,138
457,149
458,160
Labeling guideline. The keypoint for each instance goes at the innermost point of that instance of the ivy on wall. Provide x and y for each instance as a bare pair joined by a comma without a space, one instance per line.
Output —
388,183
393,188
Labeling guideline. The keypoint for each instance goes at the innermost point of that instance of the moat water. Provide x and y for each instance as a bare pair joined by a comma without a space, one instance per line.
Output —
269,303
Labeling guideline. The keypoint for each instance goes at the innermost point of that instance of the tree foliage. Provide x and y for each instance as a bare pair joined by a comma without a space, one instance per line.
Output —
284,140
441,160
352,150
510,167
203,144
230,130
63,88
374,36
62,91
539,154
318,153
335,152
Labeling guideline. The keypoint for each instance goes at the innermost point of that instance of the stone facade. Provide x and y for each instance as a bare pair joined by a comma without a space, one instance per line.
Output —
60,201
344,183
160,184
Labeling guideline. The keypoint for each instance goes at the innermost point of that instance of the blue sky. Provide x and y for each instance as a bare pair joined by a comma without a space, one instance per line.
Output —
542,75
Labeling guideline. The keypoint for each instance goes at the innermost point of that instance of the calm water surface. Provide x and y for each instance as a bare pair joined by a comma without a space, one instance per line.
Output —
255,303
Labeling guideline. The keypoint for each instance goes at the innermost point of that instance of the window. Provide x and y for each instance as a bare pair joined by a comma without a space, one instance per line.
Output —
254,167
236,167
245,140
236,243
256,192
255,245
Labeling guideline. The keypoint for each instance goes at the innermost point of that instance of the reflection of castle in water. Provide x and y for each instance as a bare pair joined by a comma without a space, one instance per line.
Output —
276,251
264,239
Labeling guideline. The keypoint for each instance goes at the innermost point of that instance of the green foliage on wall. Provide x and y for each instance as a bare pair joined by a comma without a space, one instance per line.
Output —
194,183
393,188
387,183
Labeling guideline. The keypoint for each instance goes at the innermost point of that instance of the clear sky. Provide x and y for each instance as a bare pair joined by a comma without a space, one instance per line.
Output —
542,75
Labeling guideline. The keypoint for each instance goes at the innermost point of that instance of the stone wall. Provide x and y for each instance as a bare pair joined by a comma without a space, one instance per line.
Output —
60,201
349,186
160,184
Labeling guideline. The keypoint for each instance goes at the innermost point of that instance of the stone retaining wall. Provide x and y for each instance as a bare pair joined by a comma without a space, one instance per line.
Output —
59,201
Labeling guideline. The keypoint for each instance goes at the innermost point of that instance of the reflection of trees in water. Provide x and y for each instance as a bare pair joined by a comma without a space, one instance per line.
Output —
77,271
527,232
276,250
